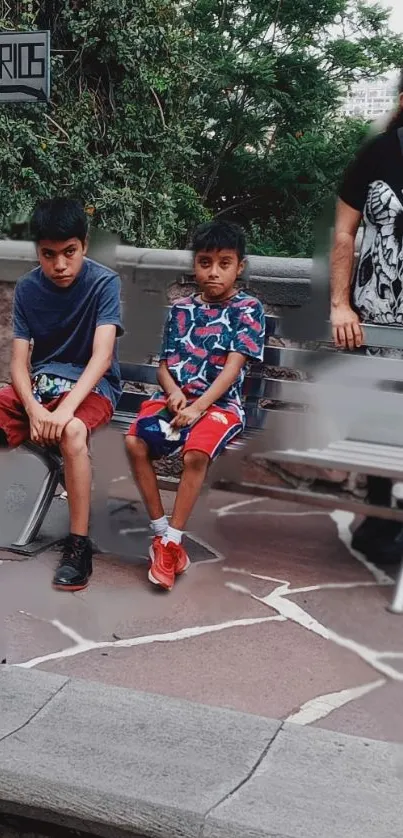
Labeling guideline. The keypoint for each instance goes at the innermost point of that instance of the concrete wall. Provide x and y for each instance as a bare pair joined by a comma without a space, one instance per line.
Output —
276,281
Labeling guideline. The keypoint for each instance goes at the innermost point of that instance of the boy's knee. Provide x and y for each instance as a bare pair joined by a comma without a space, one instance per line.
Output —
136,447
74,438
196,460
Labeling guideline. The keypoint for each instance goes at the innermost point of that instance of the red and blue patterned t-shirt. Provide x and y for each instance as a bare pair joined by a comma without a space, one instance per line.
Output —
198,337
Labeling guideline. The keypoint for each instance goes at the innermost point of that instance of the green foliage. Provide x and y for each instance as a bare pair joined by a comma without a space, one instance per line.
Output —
164,113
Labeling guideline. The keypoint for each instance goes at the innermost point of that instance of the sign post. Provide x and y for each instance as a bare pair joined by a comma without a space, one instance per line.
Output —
24,67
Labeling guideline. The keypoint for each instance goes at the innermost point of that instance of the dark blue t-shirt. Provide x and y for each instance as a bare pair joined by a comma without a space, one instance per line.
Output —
62,322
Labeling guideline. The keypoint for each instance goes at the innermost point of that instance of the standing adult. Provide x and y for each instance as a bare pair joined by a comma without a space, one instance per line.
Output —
372,291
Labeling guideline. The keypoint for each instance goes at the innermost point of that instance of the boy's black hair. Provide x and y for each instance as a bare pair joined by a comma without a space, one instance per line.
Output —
219,235
59,219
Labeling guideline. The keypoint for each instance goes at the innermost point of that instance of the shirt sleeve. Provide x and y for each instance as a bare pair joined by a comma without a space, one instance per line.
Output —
353,189
166,346
21,327
109,308
249,334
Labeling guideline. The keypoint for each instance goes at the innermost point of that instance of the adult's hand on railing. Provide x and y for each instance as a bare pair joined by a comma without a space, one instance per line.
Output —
346,327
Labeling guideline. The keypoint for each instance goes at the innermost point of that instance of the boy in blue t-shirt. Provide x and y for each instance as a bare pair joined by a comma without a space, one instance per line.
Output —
69,309
207,341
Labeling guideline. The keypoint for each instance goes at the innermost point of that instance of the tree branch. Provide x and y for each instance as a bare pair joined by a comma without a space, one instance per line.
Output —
159,107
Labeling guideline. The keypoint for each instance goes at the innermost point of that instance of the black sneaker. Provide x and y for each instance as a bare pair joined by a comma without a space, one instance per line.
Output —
375,535
75,566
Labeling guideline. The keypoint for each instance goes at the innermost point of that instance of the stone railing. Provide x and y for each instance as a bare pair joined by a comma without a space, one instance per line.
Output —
277,281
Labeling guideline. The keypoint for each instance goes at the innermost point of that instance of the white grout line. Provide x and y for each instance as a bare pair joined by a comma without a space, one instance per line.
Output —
321,707
244,572
65,630
275,514
83,645
277,600
130,530
225,510
393,655
343,521
334,586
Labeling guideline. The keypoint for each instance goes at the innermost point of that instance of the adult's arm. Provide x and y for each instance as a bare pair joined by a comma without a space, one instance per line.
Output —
347,331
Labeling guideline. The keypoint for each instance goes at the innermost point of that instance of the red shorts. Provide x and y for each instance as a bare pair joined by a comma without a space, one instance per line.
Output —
211,434
94,411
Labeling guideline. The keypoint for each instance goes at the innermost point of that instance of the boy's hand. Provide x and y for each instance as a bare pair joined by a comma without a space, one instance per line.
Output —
176,401
37,415
186,417
55,424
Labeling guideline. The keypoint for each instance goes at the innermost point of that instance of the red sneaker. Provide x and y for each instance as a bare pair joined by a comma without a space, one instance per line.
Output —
163,564
182,560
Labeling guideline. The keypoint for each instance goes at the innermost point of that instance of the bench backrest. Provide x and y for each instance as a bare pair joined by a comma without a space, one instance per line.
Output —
276,385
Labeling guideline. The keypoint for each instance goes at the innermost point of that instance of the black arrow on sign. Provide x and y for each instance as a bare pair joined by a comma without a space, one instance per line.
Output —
40,95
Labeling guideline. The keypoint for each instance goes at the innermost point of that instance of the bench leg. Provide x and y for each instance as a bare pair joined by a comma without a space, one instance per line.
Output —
40,508
396,607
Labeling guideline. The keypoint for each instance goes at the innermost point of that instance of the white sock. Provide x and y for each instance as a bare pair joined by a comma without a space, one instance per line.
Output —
172,535
160,525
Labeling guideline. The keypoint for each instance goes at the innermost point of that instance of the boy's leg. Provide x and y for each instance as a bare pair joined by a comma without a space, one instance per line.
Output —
14,422
195,466
77,475
75,566
143,470
207,439
144,475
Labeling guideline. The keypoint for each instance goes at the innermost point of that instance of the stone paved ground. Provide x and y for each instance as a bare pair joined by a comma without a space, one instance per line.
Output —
281,619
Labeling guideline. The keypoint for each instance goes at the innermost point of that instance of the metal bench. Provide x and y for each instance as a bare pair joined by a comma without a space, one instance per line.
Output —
277,402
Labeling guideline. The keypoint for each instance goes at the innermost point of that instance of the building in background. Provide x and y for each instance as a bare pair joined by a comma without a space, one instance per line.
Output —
371,98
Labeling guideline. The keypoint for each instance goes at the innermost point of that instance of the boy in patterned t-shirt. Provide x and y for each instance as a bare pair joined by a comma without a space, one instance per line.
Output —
207,341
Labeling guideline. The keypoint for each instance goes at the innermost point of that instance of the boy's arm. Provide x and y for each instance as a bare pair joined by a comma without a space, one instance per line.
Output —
176,398
20,376
99,363
20,368
108,327
223,382
21,381
165,380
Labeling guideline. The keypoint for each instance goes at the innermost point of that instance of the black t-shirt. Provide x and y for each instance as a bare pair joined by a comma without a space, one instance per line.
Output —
373,185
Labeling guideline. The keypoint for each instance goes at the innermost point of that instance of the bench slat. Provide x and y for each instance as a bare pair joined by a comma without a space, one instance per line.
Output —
129,403
294,358
142,373
387,337
372,459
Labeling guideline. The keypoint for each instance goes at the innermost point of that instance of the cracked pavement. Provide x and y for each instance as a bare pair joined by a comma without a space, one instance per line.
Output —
280,619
